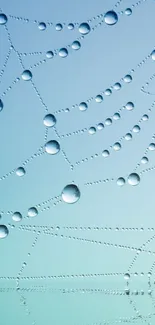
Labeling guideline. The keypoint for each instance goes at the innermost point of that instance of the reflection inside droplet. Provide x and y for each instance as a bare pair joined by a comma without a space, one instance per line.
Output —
52,147
32,212
71,194
49,120
133,179
27,75
17,217
63,52
84,28
110,17
3,231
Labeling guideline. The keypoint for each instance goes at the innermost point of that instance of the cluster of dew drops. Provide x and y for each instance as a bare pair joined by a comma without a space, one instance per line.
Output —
71,193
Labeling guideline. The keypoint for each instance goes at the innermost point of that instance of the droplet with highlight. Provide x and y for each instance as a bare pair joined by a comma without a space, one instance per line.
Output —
71,194
84,28
136,129
128,11
1,105
117,86
52,147
59,27
49,54
152,146
153,55
49,120
128,136
27,75
70,26
42,26
100,126
92,130
32,212
108,121
126,276
20,171
76,45
3,19
83,106
3,231
99,98
128,78
129,106
108,92
63,52
145,117
144,160
116,116
110,17
17,217
105,153
120,181
134,179
117,146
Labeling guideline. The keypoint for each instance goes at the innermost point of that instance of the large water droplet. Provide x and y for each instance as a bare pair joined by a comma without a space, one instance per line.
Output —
3,19
59,27
70,26
42,26
99,98
129,106
27,75
100,126
108,121
49,54
3,231
145,117
128,78
152,146
126,276
76,45
20,171
84,28
128,11
117,146
83,106
117,86
133,179
144,160
52,147
116,116
32,212
49,120
92,130
153,55
136,129
110,17
17,217
1,105
108,92
63,52
71,193
128,136
105,153
121,181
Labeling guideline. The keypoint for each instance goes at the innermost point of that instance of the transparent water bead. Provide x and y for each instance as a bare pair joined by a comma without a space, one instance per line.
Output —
27,75
32,212
99,98
52,147
17,217
49,54
63,52
76,45
84,28
133,179
110,17
3,231
128,11
92,130
120,181
20,171
83,106
1,105
3,19
49,120
129,106
42,26
71,194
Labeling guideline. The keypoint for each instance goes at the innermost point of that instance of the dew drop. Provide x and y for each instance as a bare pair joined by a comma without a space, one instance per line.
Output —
128,11
128,78
117,86
105,153
83,106
116,116
133,179
110,17
108,92
84,28
145,117
120,181
27,75
100,126
129,106
71,194
52,147
153,55
32,212
152,146
1,105
144,160
49,120
108,121
126,276
99,98
136,129
49,54
17,217
70,26
58,27
42,26
128,136
3,19
20,171
76,45
117,146
92,130
3,231
63,52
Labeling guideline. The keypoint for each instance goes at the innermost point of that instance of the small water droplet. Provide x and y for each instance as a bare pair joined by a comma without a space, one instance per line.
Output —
83,106
145,117
17,217
128,136
128,11
92,130
27,75
49,120
3,231
117,86
144,160
136,129
120,181
126,276
32,212
100,126
58,27
84,28
108,121
153,55
152,146
129,106
116,116
3,19
63,53
49,54
1,105
20,171
105,153
133,179
108,92
71,194
70,26
52,147
76,45
42,26
128,78
99,98
110,17
117,146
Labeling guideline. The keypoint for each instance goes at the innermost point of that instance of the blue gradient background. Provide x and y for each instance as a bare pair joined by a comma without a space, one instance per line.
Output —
106,55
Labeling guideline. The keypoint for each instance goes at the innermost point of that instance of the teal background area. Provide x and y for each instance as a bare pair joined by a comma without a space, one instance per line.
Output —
56,268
